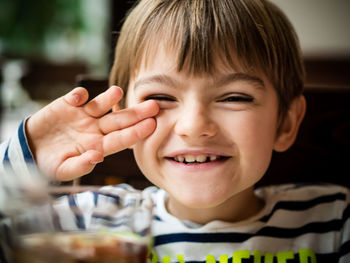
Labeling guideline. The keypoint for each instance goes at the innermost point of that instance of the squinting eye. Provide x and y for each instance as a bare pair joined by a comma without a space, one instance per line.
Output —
160,98
236,98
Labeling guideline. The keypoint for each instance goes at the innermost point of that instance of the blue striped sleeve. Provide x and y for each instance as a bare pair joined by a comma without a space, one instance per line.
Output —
28,157
6,159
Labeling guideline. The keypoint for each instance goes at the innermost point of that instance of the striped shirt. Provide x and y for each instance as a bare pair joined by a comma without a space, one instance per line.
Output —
299,223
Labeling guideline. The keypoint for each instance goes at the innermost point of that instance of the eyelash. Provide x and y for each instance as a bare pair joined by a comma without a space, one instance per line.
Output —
237,98
232,98
160,98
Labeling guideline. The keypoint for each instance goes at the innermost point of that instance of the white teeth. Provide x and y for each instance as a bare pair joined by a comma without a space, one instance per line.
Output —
189,158
201,158
213,157
180,158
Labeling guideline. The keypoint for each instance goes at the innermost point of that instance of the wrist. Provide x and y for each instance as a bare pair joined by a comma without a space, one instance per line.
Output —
29,134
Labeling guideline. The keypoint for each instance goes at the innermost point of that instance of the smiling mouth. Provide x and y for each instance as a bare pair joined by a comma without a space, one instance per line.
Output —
197,159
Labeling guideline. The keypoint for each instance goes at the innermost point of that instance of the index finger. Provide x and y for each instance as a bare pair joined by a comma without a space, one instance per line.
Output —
128,117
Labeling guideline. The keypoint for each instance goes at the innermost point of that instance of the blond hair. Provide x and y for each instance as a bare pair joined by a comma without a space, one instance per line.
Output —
251,34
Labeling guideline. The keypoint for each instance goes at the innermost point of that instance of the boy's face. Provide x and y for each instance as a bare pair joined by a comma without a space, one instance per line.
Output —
215,133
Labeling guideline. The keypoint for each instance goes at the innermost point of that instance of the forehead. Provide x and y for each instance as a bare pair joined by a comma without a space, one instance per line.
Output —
162,60
165,58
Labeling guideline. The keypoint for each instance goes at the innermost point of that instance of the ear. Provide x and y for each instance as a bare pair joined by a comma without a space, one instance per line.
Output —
290,126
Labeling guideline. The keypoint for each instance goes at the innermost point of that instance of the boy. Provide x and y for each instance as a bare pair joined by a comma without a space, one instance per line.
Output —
211,88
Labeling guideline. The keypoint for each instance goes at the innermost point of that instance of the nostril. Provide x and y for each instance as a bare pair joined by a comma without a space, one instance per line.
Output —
196,127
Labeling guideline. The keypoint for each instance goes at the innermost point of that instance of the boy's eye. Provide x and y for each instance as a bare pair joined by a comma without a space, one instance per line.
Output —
236,98
160,97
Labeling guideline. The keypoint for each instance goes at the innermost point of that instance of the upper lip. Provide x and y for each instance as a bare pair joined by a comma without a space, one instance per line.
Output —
196,152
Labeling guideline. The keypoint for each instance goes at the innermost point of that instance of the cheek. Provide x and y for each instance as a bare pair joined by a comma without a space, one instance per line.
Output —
159,136
144,159
262,143
254,137
146,151
259,134
250,128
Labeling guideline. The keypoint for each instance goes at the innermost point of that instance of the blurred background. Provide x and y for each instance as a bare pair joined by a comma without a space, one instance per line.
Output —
45,48
48,47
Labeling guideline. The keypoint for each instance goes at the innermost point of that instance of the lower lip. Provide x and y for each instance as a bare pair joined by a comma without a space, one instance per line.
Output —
198,166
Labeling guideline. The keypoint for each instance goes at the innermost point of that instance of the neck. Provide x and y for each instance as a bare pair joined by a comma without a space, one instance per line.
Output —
239,207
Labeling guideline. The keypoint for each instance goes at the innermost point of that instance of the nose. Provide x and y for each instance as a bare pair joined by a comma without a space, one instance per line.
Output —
194,121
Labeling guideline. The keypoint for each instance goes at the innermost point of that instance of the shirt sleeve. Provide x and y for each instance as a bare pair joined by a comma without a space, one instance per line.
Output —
15,154
17,168
344,251
16,162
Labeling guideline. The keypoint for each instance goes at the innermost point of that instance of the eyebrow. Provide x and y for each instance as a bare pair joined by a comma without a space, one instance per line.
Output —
218,82
234,77
160,79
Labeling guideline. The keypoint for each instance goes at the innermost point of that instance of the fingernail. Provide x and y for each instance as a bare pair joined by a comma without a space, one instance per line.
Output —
115,86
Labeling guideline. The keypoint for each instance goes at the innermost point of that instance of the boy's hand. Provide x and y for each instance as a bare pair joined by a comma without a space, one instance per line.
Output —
68,137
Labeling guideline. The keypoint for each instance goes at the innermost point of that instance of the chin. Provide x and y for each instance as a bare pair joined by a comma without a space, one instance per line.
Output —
201,198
